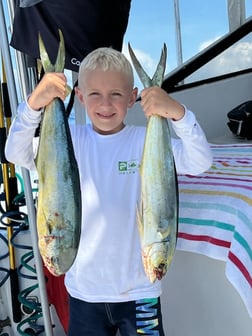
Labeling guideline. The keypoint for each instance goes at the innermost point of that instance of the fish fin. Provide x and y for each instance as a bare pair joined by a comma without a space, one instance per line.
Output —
164,230
68,90
60,60
44,57
158,76
163,235
140,219
145,79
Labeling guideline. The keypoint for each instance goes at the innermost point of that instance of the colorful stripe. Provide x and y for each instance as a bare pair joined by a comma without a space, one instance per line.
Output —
236,261
204,238
215,214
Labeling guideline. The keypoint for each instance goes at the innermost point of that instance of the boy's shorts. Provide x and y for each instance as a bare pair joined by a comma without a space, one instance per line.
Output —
141,317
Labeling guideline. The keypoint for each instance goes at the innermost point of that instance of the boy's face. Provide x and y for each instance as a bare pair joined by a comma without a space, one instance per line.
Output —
107,95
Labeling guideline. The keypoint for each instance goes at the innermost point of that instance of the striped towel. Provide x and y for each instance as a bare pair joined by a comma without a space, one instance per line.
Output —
215,214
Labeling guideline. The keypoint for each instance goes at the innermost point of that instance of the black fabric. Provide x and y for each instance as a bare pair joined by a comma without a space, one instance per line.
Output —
86,25
28,3
240,120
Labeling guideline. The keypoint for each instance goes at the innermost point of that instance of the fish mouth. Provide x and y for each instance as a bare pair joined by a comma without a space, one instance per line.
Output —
55,265
160,271
154,259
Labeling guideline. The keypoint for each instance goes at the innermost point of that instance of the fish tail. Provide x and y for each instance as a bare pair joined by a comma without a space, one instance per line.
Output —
45,59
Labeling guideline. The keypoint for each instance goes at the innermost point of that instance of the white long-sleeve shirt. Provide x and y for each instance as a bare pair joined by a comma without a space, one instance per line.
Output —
108,266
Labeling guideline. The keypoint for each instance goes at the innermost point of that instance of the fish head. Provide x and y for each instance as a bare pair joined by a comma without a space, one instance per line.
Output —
155,260
52,266
58,251
58,263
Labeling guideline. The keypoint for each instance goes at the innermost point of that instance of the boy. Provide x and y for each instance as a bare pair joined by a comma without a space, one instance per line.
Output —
107,286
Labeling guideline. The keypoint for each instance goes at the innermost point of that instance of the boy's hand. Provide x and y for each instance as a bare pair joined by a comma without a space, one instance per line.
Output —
156,101
52,85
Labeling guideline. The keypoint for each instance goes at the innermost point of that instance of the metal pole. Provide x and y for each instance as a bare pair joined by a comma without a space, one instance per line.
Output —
236,13
26,176
178,32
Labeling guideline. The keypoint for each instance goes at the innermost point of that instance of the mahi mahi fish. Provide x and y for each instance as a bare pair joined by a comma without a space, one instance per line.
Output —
59,197
157,213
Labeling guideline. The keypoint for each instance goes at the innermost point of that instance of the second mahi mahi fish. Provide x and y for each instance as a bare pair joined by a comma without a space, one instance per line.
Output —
59,196
158,210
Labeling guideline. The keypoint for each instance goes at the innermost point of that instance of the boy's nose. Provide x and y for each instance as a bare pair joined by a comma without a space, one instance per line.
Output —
105,101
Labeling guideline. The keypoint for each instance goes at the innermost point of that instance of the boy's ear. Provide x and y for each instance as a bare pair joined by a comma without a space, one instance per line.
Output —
133,97
80,96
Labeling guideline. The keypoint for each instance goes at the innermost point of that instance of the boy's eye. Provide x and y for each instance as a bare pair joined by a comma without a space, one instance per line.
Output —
93,94
116,94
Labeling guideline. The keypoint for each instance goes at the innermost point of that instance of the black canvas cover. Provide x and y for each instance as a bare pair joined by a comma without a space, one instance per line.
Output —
86,25
240,120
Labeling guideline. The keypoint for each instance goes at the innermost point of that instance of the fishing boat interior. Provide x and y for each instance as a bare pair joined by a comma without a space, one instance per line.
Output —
208,288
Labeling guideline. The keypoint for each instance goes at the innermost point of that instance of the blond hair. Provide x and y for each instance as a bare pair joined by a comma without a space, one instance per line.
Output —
106,59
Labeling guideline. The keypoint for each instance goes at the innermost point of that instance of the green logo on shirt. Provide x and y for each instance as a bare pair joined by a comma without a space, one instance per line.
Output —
128,167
